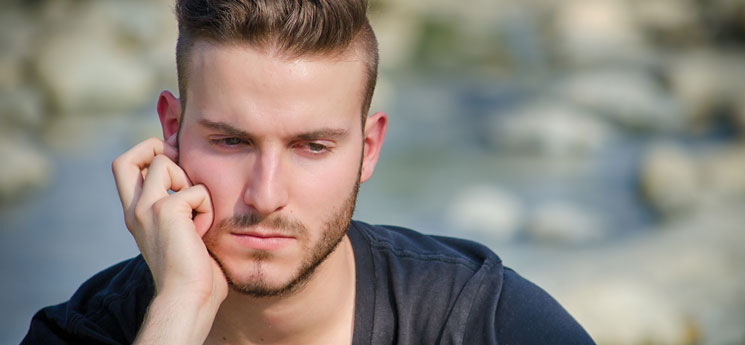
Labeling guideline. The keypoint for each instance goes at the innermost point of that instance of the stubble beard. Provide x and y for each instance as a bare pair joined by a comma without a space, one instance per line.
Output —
335,228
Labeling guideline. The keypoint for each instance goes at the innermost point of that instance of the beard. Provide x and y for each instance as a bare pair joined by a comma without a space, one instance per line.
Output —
334,230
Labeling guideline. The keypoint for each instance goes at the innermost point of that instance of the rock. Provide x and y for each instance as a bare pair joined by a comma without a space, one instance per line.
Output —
487,210
16,32
21,106
591,32
563,223
694,80
674,22
740,115
89,66
627,97
627,312
549,128
24,166
723,174
397,32
705,81
669,179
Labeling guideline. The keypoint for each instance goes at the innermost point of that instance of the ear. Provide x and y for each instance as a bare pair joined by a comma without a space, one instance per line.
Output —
374,135
169,113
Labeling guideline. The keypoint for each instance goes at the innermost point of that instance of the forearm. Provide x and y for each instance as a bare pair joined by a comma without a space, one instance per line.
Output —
172,319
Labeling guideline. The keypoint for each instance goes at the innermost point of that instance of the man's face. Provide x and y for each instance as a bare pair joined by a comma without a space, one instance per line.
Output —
278,144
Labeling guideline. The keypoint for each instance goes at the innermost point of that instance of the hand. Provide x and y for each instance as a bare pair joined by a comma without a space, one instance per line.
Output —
168,229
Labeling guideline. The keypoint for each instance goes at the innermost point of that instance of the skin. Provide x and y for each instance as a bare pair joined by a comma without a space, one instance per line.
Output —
278,141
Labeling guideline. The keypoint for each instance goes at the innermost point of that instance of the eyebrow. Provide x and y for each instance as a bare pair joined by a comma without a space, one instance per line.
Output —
323,133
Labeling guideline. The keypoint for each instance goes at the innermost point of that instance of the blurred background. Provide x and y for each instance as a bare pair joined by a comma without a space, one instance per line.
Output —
598,146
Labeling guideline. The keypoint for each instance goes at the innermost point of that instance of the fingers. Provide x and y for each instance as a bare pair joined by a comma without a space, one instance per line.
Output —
128,167
163,175
196,198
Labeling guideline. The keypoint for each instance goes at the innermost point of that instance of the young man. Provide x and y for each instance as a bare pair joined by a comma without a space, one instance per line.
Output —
243,213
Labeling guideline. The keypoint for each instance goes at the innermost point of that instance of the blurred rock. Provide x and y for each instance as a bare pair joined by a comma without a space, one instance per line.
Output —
630,98
89,65
740,115
563,223
627,312
704,81
21,107
397,31
675,22
588,32
549,128
487,210
669,179
24,166
723,174
16,31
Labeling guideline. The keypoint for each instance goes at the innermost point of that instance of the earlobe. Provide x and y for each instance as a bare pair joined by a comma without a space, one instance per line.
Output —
374,135
169,113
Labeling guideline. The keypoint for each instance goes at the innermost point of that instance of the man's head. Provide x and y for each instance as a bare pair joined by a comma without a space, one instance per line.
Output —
275,91
287,29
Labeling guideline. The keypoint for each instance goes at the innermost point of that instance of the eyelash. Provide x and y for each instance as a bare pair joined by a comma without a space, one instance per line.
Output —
313,148
223,142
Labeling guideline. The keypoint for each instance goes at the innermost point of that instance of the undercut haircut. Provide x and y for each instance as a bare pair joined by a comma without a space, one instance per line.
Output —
289,28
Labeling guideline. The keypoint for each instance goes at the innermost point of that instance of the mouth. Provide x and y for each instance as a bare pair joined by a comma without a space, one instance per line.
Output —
262,240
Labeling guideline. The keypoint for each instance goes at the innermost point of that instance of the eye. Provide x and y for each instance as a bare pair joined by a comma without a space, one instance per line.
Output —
317,148
231,141
228,141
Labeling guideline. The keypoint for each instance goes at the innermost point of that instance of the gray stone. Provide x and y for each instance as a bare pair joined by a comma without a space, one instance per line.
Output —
629,98
88,66
704,80
670,179
625,311
564,223
550,128
16,32
723,174
588,32
24,167
21,107
669,21
486,210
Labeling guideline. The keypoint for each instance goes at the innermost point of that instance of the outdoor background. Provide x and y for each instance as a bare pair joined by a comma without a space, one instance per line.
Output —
598,146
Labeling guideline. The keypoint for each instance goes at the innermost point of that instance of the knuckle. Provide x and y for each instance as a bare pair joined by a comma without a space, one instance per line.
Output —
141,214
160,205
116,164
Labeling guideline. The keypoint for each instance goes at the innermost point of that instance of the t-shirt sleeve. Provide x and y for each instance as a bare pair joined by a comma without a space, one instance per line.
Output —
106,309
48,326
529,315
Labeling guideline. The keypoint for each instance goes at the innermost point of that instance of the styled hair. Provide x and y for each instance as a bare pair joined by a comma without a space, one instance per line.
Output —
290,28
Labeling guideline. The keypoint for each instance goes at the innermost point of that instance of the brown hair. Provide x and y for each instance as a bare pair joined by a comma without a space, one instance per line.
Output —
292,28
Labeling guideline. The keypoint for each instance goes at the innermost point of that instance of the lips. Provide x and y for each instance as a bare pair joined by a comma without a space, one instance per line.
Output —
262,240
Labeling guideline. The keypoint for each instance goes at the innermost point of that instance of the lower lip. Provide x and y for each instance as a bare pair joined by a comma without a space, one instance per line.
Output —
262,243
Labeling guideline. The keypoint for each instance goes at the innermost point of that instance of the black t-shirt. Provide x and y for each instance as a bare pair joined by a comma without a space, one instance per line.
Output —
410,289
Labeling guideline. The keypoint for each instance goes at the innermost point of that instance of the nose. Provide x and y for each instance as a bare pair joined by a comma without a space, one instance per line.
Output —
265,191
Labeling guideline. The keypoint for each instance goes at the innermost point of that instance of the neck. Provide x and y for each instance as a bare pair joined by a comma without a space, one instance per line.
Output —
321,311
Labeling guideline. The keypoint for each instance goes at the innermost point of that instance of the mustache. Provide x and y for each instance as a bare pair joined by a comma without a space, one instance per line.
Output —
280,223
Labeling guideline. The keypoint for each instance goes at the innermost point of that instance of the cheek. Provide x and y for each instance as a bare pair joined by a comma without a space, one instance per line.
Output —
212,172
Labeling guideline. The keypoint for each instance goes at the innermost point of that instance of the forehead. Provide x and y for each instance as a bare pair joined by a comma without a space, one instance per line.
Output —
224,74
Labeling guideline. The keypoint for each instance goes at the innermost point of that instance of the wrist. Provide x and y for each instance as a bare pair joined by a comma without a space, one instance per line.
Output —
177,317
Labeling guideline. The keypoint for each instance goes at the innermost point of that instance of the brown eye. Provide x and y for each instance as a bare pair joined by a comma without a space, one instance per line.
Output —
316,148
231,141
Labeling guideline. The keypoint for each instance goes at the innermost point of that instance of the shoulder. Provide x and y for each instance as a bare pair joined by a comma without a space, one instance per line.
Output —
529,315
107,308
406,243
457,289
